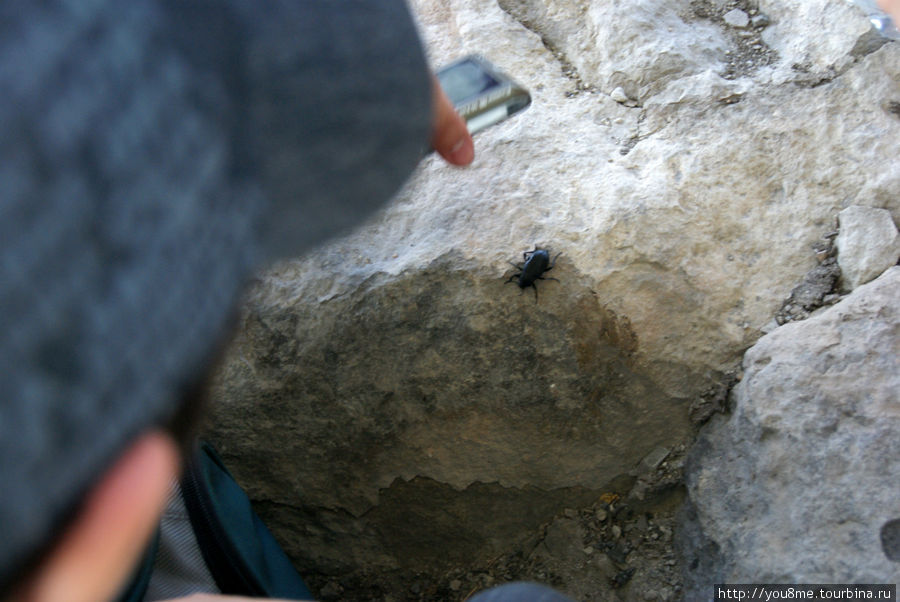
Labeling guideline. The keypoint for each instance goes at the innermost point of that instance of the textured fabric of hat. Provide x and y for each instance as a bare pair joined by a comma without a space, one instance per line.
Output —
151,155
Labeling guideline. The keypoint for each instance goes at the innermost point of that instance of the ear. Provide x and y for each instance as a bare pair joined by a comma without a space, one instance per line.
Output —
100,548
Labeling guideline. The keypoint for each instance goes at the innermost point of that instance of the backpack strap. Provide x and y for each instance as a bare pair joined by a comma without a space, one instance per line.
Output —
240,552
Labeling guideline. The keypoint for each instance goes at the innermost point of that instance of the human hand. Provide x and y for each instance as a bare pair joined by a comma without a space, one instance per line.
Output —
449,135
892,7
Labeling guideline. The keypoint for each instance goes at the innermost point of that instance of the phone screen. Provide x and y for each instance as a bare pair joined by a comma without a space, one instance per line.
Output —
465,81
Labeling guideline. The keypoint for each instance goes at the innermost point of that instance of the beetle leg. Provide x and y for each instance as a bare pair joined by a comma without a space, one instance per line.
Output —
553,263
535,292
548,278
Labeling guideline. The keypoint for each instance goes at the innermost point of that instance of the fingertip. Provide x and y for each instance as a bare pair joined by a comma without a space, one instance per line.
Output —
462,153
450,136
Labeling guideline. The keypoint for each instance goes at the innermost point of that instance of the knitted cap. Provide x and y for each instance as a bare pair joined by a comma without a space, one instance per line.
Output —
149,149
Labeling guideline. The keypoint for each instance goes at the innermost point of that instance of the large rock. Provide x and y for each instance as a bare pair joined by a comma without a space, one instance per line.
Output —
868,244
799,483
384,389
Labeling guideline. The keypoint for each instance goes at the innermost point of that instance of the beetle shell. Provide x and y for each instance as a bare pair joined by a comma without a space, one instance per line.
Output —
537,263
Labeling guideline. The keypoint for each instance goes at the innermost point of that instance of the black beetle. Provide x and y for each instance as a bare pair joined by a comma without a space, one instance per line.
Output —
537,263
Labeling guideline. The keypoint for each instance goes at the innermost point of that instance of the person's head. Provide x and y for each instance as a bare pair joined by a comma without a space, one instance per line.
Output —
135,188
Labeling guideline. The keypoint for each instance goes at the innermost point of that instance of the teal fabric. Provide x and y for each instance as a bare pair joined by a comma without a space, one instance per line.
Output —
239,550
250,555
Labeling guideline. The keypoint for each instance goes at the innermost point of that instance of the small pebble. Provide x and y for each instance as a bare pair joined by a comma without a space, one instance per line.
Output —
653,459
455,585
600,514
737,18
616,531
619,95
760,21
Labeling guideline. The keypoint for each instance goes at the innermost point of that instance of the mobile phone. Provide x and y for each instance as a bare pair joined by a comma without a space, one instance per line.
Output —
482,94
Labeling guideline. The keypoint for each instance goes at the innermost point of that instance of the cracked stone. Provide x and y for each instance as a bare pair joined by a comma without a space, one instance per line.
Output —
815,502
389,391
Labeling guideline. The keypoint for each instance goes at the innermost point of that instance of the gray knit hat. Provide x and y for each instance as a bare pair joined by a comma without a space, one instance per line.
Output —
148,149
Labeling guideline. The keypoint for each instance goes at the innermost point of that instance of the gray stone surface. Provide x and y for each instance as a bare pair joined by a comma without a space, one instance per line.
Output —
386,386
867,245
816,40
799,483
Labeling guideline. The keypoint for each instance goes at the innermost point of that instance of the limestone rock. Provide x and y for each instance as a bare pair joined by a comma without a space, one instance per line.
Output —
652,43
799,483
816,39
867,244
391,404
